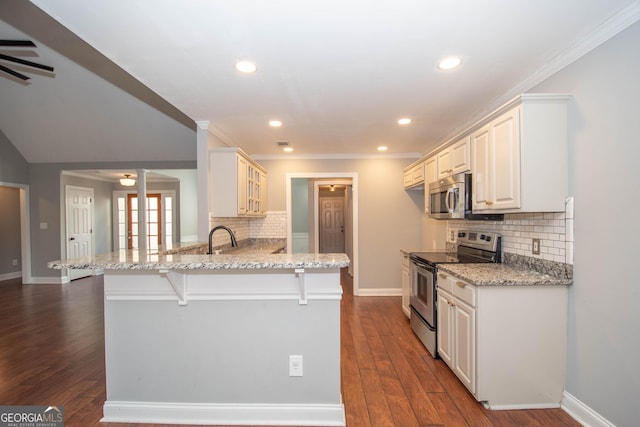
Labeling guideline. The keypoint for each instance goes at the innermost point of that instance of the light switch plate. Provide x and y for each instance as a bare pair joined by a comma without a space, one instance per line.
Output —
295,365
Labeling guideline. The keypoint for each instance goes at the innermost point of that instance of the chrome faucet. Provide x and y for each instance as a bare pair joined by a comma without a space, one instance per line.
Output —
234,243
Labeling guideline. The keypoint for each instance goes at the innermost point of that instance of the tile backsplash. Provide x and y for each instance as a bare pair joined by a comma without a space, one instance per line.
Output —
272,226
554,229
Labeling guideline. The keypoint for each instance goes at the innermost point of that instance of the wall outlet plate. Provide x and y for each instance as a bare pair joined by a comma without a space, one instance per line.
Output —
535,246
295,365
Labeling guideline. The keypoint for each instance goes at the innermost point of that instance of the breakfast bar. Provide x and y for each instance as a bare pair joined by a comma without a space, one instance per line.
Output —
221,339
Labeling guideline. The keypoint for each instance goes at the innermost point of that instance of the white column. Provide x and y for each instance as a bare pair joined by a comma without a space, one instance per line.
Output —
202,159
142,209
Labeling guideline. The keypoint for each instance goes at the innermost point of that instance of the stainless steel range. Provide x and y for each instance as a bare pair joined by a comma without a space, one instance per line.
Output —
473,247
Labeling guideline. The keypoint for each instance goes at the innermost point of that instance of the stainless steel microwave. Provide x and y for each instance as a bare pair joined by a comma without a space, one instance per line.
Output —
450,198
446,197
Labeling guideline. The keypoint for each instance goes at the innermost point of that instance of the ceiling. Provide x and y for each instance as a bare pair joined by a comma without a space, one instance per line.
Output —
338,74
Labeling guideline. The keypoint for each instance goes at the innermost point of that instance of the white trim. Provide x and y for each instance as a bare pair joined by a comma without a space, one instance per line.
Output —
380,292
9,276
335,156
583,413
316,208
48,280
354,189
224,414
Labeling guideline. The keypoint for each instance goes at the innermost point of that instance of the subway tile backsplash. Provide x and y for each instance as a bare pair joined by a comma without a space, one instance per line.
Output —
554,229
272,226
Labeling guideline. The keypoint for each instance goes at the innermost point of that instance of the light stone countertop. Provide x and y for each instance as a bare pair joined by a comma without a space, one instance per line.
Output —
139,260
490,274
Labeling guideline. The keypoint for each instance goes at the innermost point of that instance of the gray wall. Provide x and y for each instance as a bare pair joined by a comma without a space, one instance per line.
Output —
13,167
300,205
10,230
604,322
385,210
188,212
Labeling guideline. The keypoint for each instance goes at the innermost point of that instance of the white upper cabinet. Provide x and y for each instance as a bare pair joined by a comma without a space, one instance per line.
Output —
430,170
454,159
414,176
520,156
237,184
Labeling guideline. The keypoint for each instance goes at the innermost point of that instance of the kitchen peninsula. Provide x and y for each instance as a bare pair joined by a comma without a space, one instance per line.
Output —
246,338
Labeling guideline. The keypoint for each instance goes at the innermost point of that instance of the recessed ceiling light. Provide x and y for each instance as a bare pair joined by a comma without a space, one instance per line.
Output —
382,148
275,123
246,67
288,149
449,63
404,121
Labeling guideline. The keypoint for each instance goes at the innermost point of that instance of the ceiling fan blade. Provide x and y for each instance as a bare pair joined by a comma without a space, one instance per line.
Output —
24,62
13,73
17,43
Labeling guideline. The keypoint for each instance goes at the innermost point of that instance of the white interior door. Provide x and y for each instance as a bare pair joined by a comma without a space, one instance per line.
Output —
332,225
79,206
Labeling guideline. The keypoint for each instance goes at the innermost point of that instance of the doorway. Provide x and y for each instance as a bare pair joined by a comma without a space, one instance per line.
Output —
331,225
25,235
348,180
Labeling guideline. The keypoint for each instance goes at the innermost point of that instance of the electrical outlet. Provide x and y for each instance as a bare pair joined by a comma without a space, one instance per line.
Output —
535,246
15,262
295,365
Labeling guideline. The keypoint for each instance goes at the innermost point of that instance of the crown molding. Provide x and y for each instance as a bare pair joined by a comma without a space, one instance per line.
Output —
335,156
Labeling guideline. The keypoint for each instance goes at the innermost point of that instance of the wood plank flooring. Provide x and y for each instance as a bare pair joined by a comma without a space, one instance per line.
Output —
52,353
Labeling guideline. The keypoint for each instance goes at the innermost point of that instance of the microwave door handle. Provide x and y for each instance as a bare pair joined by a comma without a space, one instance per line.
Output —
446,200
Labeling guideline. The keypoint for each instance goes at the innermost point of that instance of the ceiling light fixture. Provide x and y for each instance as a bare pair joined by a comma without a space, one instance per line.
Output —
246,67
404,121
288,149
126,181
333,188
275,123
449,63
382,148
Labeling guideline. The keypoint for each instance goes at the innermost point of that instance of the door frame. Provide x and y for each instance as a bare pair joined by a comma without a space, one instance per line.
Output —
77,274
25,229
338,176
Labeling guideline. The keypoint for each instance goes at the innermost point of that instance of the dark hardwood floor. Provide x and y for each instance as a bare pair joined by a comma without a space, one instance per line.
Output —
52,353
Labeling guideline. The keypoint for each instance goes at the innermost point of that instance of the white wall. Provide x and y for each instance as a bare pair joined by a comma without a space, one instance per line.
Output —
604,322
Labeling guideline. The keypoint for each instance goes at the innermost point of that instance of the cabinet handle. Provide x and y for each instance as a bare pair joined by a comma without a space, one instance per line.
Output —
488,202
444,276
461,284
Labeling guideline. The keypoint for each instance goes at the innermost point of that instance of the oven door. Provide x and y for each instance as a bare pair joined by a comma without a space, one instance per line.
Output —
423,295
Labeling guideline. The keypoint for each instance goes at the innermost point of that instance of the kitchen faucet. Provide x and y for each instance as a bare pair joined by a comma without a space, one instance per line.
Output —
234,243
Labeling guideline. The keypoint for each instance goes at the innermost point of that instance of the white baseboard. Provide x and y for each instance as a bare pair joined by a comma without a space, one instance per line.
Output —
9,276
223,414
48,280
379,292
583,413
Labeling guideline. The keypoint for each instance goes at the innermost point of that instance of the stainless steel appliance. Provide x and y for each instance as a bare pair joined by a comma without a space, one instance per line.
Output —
450,198
473,247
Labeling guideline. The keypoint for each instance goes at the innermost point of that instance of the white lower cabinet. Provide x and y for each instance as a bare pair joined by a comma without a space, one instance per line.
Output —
457,331
506,344
406,284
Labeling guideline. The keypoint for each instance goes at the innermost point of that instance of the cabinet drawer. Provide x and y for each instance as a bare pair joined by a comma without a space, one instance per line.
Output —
446,282
464,291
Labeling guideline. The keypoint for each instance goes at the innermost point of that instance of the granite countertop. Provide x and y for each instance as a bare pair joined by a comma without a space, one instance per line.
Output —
490,274
140,260
249,254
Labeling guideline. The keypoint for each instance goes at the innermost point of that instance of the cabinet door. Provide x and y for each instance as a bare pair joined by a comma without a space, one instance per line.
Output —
506,161
460,158
407,179
242,185
464,357
481,194
445,327
430,171
444,163
406,291
263,193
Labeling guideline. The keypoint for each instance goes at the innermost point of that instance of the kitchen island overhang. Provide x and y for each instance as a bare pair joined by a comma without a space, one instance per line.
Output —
207,339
